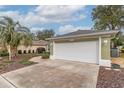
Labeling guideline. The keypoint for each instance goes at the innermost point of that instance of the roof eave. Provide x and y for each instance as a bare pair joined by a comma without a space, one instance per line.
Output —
85,35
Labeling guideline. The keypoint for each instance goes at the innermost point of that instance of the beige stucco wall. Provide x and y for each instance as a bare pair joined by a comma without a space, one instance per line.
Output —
105,48
21,47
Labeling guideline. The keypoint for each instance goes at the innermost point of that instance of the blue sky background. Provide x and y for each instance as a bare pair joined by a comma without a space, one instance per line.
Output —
62,19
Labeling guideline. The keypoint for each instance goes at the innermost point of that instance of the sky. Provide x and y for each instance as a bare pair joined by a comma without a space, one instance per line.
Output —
62,19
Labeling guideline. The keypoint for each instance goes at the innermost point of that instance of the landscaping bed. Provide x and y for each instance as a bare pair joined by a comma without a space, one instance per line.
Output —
110,78
17,62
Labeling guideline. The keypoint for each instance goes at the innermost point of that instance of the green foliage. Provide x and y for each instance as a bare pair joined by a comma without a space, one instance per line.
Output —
45,55
115,66
108,17
24,62
121,55
4,53
122,49
42,35
118,40
12,34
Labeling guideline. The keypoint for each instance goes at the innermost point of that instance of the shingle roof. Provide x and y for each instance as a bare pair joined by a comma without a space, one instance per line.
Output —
37,43
79,32
86,33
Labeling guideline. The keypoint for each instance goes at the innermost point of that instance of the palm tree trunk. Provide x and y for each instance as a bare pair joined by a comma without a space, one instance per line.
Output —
9,51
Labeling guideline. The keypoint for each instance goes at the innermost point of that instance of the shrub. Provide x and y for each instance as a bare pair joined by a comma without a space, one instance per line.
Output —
19,51
115,66
4,53
45,55
122,50
40,50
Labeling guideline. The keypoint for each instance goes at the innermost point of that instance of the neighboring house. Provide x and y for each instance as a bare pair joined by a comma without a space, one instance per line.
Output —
36,45
83,45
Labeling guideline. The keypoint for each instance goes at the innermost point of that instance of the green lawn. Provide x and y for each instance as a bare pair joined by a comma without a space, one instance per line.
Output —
122,55
26,62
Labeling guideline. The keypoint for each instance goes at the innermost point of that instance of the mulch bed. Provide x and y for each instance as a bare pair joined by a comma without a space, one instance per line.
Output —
110,78
15,64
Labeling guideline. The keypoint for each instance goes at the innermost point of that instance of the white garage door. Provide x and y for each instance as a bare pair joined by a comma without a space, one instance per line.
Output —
77,51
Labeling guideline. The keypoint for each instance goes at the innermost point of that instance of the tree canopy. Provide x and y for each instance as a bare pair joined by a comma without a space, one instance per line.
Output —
46,33
108,17
12,34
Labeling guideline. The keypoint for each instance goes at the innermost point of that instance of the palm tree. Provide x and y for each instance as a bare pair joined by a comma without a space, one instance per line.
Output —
21,37
12,34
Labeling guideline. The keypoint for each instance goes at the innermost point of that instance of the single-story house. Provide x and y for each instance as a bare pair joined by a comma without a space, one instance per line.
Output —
83,45
37,44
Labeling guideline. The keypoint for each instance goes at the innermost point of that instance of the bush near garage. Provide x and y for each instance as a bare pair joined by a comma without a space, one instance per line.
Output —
115,66
122,50
45,55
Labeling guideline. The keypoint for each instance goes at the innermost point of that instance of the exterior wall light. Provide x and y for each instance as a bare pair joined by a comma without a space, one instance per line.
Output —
105,42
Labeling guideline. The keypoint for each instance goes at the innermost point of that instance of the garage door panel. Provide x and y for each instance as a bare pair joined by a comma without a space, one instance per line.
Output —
77,51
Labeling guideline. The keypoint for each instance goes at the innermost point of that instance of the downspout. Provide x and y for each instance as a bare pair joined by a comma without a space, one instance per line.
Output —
99,57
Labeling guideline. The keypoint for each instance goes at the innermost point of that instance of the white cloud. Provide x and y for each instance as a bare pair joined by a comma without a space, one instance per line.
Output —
57,10
34,29
59,13
49,14
71,28
13,14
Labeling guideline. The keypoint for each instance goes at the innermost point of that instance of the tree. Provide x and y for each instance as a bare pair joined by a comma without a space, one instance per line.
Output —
108,17
12,34
42,35
118,40
21,37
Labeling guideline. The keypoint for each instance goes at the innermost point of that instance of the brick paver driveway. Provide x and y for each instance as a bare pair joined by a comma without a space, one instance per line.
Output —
55,74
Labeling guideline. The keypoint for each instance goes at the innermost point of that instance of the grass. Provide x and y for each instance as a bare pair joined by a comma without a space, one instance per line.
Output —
122,55
2,66
24,62
119,61
8,61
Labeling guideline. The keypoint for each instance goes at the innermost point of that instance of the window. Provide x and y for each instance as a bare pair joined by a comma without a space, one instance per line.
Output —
29,51
19,51
32,51
24,52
